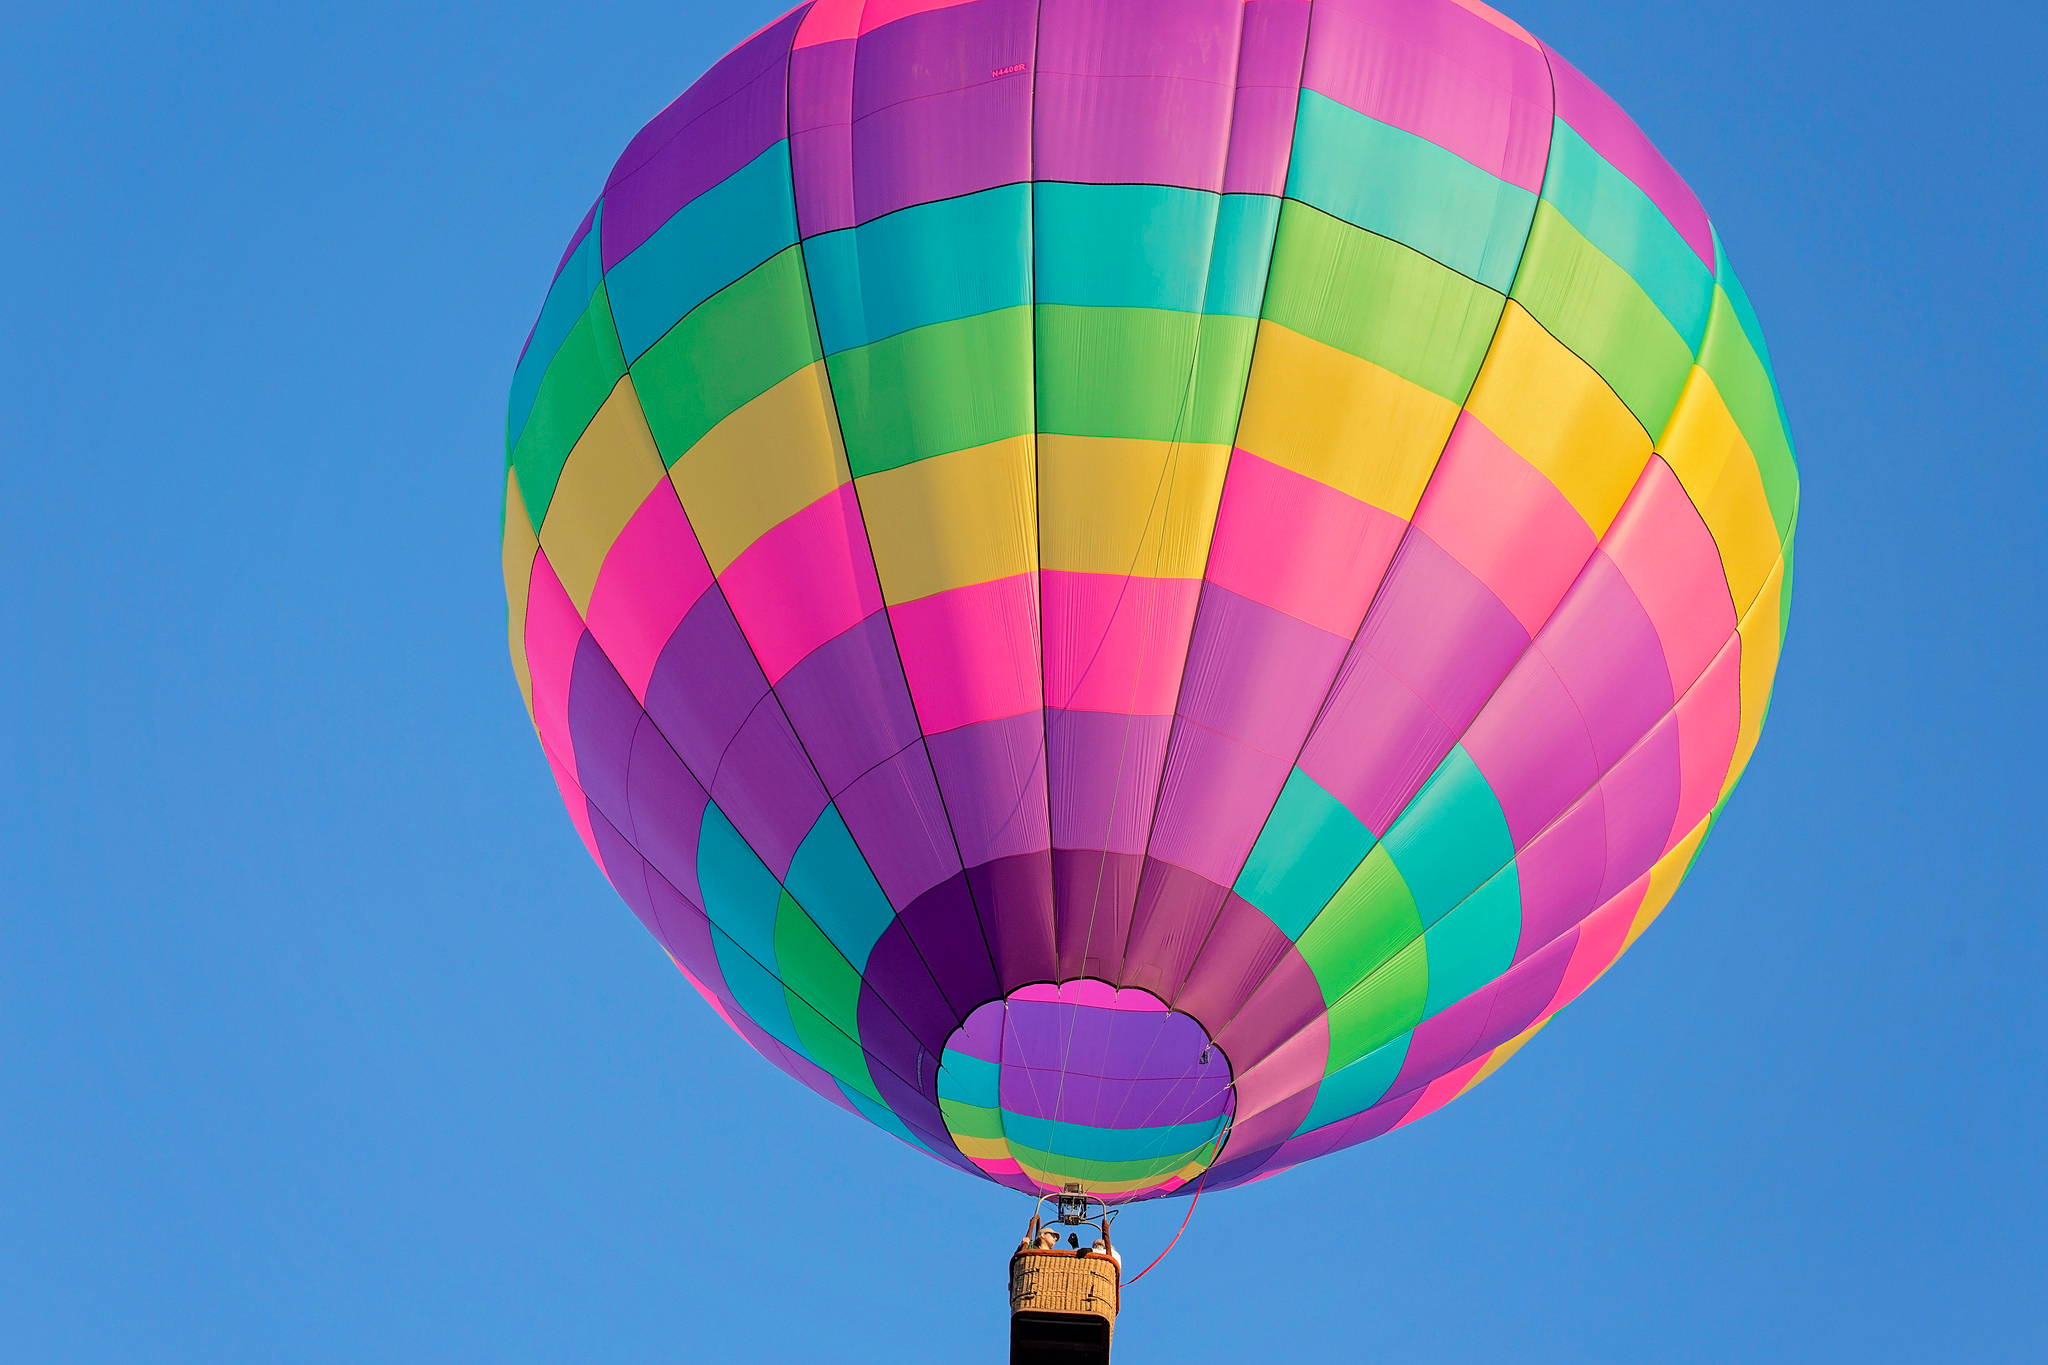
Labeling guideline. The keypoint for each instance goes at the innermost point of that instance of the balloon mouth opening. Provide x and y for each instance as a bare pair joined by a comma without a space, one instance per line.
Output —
1084,1082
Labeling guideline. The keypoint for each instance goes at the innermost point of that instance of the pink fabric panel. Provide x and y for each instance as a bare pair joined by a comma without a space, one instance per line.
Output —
1601,935
1442,1091
1114,643
1326,566
573,798
1268,87
1442,72
1602,644
1502,519
803,582
653,574
1641,798
1709,717
1560,872
553,630
1613,134
971,653
1669,558
1533,748
879,12
1277,1093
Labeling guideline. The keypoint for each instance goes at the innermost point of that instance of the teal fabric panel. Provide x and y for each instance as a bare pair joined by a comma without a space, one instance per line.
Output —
741,896
929,263
1614,215
1151,246
756,990
1474,943
1451,839
567,299
835,886
1389,181
709,242
884,1118
1090,1143
970,1080
1309,846
1357,1087
1245,224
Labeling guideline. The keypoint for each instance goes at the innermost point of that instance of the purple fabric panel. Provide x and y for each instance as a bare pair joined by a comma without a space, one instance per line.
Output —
1523,992
1015,896
1068,1045
1606,649
1599,120
992,775
1255,673
1093,894
1103,776
1135,91
686,933
735,111
982,1035
1377,1121
1268,87
667,810
575,240
896,817
1642,803
1376,744
932,119
1560,874
1238,1170
849,702
1175,912
1533,748
626,870
1244,948
920,1113
602,718
821,135
705,684
1441,631
1213,801
1435,69
902,1012
944,925
1285,1003
766,787
1444,1041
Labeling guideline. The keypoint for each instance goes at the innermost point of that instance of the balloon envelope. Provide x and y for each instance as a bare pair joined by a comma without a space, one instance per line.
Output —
1130,586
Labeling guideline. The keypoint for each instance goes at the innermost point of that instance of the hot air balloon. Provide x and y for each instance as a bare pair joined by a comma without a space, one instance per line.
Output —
1140,591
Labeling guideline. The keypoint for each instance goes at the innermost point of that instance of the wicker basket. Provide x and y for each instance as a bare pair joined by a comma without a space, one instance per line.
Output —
1054,1293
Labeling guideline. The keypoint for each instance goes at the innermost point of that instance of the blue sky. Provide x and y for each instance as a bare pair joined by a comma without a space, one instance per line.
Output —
321,1038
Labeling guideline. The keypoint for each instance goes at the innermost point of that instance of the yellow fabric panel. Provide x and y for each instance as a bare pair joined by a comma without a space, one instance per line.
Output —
1113,506
1705,449
1053,1180
520,544
1665,875
1556,413
606,478
1506,1050
982,1149
1343,421
965,517
768,460
1759,666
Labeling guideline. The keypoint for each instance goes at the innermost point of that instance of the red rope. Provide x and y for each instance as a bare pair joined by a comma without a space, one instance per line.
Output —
1176,1236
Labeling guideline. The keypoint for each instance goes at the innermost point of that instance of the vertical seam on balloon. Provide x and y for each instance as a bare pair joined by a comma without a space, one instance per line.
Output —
853,485
1322,708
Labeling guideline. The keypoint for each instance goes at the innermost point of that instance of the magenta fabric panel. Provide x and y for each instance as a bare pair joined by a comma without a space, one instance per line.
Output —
1444,1041
993,777
1607,652
1533,747
1017,892
1523,992
766,787
1325,569
849,703
896,817
1282,1006
1115,642
942,105
1435,69
1256,674
1432,650
1269,60
736,111
1561,871
1103,776
821,135
1709,723
1595,116
1093,896
1213,801
1668,556
1135,91
1174,912
1242,950
1641,802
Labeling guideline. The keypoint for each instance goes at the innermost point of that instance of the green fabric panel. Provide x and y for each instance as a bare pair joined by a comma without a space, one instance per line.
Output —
1380,1008
567,299
1628,227
1080,1168
950,386
577,381
1145,373
970,1080
1357,1087
1381,301
1785,581
1746,388
1452,837
733,347
1592,305
1724,274
1310,844
1475,942
971,1120
824,995
756,991
1370,919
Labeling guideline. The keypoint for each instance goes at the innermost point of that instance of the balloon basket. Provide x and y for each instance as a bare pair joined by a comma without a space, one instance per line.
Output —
1064,1300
